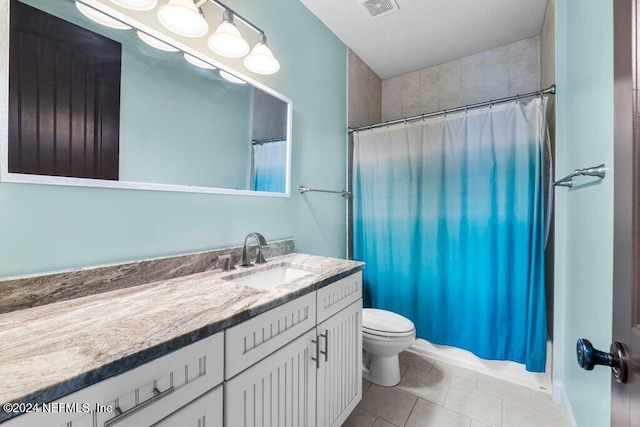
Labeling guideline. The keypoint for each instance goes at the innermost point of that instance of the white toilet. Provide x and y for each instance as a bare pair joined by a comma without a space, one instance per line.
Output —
384,336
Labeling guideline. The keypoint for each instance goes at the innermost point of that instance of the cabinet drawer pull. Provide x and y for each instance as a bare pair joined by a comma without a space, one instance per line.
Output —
317,358
326,345
122,415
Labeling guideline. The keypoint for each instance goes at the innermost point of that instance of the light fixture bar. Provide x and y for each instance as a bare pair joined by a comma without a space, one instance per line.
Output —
236,15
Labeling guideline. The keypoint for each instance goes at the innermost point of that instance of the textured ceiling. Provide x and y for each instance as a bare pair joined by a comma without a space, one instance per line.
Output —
424,33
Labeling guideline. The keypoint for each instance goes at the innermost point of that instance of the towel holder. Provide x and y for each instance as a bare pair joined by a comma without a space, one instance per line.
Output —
302,189
567,181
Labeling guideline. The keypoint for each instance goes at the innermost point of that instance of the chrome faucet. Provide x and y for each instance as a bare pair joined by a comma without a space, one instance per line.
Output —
262,244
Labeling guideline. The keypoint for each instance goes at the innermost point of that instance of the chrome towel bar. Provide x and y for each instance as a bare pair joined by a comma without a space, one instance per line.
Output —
302,189
567,181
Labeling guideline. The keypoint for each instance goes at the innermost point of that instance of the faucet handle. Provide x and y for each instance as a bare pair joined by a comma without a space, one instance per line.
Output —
227,264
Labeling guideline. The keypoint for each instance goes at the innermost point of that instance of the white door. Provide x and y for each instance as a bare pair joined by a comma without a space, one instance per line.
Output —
280,390
340,373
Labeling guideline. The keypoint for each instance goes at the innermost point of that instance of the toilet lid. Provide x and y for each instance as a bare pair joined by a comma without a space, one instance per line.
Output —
385,323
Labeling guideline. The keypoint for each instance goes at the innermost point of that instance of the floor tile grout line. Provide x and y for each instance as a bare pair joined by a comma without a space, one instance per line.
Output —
411,412
505,397
549,412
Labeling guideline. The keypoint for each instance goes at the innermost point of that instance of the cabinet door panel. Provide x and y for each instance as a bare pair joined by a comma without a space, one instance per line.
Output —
340,373
277,391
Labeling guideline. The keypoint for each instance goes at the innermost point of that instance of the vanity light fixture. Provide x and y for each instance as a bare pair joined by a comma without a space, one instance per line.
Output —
136,4
101,18
184,18
227,41
261,60
231,78
154,42
198,62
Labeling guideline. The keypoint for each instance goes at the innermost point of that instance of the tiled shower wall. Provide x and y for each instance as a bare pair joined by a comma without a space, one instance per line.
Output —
504,71
364,104
365,93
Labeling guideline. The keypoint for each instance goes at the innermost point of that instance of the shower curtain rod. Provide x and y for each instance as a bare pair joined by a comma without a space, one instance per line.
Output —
551,90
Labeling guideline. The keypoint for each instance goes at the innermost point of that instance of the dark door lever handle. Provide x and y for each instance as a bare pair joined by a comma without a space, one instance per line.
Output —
617,359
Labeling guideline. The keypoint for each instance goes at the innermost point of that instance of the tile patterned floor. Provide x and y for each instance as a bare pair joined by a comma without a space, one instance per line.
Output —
438,394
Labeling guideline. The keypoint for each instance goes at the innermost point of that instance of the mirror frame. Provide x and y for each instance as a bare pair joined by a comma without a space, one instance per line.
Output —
124,16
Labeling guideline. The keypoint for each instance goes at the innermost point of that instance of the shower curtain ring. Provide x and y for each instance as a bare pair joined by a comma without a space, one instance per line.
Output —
387,123
445,112
423,117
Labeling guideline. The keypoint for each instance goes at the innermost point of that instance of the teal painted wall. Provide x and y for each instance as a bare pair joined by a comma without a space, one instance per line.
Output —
584,214
179,125
47,228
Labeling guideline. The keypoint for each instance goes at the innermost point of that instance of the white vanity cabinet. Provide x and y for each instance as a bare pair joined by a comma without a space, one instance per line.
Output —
144,395
298,364
315,379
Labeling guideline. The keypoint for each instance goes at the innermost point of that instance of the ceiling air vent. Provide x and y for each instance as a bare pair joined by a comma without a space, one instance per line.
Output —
378,8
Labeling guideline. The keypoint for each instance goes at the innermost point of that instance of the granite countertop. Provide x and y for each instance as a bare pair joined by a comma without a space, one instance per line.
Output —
49,351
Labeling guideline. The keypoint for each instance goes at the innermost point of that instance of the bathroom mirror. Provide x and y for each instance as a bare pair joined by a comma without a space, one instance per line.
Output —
180,124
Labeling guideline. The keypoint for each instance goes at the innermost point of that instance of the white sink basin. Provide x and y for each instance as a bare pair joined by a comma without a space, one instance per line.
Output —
272,277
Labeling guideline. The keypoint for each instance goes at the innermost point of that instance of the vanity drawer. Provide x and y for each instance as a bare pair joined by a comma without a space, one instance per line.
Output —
253,340
145,394
339,295
166,384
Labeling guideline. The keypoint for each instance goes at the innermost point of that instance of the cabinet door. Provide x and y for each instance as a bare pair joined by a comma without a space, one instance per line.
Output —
340,373
280,390
204,411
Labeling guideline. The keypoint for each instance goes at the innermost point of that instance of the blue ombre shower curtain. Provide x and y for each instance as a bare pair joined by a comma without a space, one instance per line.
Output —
449,218
270,167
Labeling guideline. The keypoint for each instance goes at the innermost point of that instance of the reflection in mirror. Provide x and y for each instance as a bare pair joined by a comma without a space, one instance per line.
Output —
146,116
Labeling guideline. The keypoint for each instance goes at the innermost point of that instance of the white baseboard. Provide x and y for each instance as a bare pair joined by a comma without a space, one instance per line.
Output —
561,397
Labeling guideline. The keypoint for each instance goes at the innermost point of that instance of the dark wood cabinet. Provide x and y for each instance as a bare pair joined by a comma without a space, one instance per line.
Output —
64,98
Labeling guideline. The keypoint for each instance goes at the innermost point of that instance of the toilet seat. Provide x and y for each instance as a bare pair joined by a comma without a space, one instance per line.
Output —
384,323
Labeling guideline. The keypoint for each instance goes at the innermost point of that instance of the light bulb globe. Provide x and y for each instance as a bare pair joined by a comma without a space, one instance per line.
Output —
154,42
100,17
183,18
198,62
228,42
261,60
231,78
